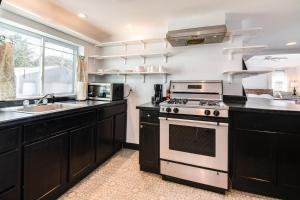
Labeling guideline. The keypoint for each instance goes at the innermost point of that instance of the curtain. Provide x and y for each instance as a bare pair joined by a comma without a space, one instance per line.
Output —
82,70
7,74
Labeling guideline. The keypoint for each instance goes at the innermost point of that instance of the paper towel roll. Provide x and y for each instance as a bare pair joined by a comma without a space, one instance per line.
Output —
82,90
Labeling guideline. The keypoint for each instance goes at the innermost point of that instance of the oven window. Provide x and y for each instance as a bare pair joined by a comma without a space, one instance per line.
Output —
190,139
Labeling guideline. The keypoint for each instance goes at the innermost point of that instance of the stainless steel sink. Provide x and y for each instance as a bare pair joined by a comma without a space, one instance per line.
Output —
48,108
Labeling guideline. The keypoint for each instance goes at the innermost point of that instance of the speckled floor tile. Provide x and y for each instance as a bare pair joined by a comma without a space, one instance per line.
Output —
120,179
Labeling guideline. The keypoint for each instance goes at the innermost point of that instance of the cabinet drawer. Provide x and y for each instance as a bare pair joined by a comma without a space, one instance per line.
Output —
40,130
35,131
149,116
9,139
110,111
64,123
266,122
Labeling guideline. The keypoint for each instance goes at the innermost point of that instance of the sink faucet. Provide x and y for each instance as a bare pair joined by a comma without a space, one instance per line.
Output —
40,101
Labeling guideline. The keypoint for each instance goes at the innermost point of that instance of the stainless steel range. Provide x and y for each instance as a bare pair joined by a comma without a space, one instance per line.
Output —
194,135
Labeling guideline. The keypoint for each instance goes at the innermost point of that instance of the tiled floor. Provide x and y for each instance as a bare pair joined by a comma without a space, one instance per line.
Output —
121,179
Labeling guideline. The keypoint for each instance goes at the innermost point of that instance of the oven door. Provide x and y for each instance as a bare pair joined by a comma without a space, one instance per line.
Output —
199,143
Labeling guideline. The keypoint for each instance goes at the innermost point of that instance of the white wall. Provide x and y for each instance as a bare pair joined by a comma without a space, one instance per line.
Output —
204,62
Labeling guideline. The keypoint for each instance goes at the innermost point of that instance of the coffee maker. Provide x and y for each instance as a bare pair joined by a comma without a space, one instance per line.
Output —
158,94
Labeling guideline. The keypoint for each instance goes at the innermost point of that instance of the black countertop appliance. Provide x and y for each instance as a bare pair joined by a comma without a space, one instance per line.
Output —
158,94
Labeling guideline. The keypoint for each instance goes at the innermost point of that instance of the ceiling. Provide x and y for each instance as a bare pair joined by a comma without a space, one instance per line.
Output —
273,62
132,19
279,19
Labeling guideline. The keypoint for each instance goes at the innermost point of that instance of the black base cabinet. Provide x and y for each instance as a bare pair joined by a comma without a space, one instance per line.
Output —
265,153
105,139
10,163
45,167
43,158
82,152
149,141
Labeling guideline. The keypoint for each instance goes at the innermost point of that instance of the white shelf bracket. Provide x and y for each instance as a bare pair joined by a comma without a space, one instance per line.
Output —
165,77
144,59
125,47
229,78
144,76
125,78
125,60
143,44
165,58
230,39
230,55
165,43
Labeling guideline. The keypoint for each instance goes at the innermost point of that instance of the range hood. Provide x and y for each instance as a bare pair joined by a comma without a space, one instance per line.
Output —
193,36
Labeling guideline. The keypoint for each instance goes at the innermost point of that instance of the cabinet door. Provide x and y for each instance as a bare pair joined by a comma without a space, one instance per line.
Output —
9,175
120,130
149,147
105,139
254,160
82,151
45,167
289,164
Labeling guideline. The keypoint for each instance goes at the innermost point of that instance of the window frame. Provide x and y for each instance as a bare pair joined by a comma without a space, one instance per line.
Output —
53,40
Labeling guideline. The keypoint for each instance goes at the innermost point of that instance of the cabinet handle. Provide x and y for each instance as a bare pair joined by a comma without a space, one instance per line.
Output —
142,126
148,115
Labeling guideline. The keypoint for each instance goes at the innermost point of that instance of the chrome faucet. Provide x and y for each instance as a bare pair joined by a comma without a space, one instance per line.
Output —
41,101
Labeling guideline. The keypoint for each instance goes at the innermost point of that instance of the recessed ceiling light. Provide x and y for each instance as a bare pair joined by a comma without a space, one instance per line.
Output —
81,15
129,26
291,43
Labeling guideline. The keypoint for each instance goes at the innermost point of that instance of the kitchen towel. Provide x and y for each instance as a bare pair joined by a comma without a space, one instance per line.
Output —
82,79
7,74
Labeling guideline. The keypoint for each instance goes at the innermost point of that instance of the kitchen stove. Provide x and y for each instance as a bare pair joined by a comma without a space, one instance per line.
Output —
194,134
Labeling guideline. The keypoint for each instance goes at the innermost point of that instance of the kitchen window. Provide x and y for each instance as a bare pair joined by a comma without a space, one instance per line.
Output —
42,64
279,81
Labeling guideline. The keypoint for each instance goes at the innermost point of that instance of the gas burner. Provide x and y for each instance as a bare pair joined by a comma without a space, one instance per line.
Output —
177,101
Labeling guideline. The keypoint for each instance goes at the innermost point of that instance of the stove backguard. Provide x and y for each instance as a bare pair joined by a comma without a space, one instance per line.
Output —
208,90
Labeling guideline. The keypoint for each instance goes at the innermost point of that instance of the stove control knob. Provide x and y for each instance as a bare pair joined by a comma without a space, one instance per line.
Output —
175,110
168,110
207,112
216,113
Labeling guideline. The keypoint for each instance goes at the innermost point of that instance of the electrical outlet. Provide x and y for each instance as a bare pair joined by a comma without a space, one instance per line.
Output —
133,89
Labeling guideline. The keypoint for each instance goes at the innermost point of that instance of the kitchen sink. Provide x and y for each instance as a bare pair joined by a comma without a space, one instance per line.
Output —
47,108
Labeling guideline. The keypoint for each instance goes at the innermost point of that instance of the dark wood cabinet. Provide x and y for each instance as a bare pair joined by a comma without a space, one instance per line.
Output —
149,140
289,164
111,131
120,130
44,157
45,167
264,154
149,147
255,161
82,151
10,163
105,139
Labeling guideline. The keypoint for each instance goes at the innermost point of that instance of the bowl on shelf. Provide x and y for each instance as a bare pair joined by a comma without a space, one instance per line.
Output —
140,69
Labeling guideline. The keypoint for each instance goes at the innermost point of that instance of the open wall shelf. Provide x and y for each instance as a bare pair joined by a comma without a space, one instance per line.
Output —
125,74
132,42
243,50
165,55
248,32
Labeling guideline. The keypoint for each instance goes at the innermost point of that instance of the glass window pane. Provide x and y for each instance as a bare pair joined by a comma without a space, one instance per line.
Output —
59,72
58,47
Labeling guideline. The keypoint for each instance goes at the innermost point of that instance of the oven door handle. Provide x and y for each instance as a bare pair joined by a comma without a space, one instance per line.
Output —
194,121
